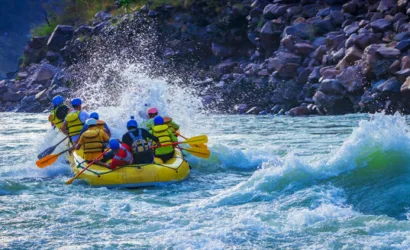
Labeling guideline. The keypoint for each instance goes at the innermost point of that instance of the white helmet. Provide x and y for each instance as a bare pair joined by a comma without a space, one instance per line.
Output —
91,122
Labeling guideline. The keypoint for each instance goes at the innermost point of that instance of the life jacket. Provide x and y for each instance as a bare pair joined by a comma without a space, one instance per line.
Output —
92,141
163,134
74,123
139,144
128,158
58,115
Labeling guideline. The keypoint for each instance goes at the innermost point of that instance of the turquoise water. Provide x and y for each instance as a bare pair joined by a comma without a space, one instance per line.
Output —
271,182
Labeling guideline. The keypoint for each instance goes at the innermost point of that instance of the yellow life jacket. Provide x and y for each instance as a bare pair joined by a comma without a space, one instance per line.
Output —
162,132
93,141
74,123
53,118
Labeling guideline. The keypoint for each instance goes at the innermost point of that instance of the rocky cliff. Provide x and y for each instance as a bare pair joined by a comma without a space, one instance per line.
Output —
301,57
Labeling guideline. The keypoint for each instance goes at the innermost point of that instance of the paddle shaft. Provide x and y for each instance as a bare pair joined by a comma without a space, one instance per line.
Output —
50,149
82,171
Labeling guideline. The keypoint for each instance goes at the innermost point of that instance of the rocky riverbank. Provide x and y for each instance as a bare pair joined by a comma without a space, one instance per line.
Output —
282,56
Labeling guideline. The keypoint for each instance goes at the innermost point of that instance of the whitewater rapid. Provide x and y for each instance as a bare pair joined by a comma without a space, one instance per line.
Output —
271,182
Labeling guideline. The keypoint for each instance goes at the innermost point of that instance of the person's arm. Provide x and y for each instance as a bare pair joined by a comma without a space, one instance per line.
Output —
173,124
173,137
104,136
147,134
85,127
127,140
78,144
64,128
107,129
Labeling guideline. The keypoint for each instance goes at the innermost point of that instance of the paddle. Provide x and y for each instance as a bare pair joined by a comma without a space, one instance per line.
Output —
195,140
91,163
199,152
49,159
202,145
49,150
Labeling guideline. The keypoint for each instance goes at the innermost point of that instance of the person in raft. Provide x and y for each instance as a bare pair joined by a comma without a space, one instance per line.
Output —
92,141
120,153
101,124
74,121
152,113
137,140
59,112
165,136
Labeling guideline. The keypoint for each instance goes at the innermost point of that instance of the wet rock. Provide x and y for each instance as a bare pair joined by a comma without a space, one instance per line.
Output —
332,105
45,72
310,10
269,35
272,11
304,49
315,75
381,25
328,72
3,87
59,37
403,45
302,30
405,62
391,85
52,56
402,36
38,42
406,86
103,16
332,87
337,17
319,52
335,40
352,28
241,108
353,54
350,7
299,111
12,96
386,5
351,79
403,74
221,51
395,66
388,52
365,39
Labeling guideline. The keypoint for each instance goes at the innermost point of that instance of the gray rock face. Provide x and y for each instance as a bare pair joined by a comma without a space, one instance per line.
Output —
60,36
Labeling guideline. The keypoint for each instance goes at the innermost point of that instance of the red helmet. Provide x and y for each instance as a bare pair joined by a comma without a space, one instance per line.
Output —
152,111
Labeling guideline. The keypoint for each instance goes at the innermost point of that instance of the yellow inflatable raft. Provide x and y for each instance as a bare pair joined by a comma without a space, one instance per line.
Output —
176,169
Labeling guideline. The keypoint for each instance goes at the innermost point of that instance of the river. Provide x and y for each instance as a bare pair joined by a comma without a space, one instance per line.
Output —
327,182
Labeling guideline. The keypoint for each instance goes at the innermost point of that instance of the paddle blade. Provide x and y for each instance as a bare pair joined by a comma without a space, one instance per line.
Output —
46,152
199,152
196,139
47,161
71,180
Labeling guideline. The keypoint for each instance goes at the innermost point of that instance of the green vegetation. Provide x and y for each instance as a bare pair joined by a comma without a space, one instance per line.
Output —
76,12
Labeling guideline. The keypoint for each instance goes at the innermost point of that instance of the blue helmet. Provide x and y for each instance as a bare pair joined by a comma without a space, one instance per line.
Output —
57,100
76,102
114,144
158,120
132,123
94,115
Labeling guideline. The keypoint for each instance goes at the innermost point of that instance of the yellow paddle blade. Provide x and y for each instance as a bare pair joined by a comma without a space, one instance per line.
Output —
202,145
47,161
199,152
196,139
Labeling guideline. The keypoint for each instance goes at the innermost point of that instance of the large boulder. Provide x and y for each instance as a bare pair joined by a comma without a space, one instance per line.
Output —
351,79
376,60
44,73
270,35
272,11
332,87
331,104
381,25
405,88
363,40
391,85
302,30
59,37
